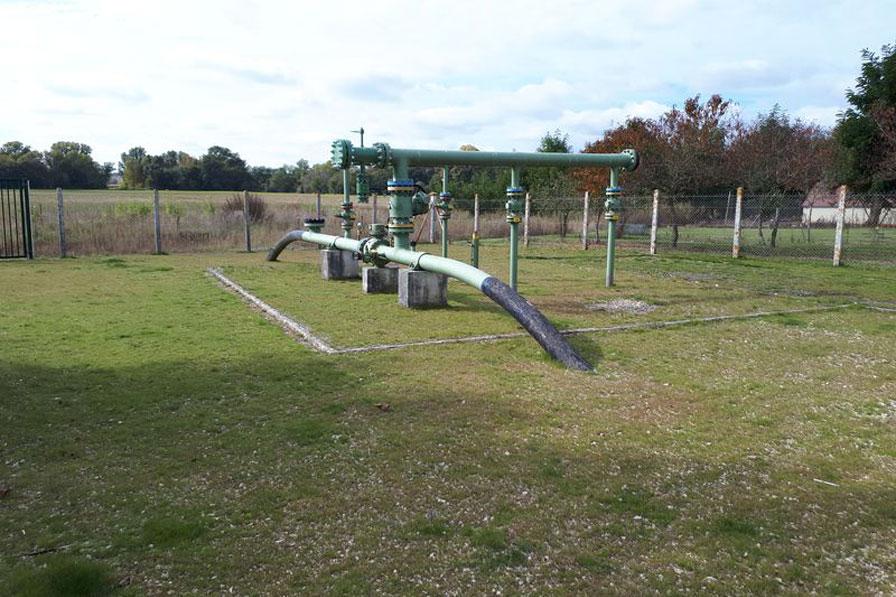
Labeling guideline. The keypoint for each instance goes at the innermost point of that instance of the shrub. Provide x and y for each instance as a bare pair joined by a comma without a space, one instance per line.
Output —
257,207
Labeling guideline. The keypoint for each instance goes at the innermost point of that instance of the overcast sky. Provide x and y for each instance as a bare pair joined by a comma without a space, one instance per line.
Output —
277,81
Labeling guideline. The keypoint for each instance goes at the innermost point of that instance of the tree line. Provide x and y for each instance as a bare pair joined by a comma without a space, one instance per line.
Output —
703,147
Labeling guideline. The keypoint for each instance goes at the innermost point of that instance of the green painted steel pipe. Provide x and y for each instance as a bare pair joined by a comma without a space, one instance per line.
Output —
612,206
444,209
514,208
344,155
347,215
375,250
443,223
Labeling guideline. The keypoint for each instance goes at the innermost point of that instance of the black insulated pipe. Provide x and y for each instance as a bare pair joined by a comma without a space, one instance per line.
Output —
535,323
282,244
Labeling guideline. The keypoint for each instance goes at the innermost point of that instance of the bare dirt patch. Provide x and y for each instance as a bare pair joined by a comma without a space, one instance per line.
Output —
627,306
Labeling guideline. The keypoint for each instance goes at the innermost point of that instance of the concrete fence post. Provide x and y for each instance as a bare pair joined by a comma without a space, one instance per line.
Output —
738,210
841,217
654,220
585,223
156,221
60,218
246,220
526,212
476,213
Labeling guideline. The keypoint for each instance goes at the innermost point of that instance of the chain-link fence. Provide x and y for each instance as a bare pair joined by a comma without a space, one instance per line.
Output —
779,225
802,226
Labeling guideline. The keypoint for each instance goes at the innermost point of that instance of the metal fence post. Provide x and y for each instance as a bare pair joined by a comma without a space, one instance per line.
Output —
526,210
841,217
374,220
738,207
585,223
246,220
157,223
654,220
29,223
60,219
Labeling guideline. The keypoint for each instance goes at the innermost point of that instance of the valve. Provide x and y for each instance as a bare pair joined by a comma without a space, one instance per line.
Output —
613,204
362,186
514,205
444,206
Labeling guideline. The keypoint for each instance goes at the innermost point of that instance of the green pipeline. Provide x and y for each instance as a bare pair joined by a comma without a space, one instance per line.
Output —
345,155
431,263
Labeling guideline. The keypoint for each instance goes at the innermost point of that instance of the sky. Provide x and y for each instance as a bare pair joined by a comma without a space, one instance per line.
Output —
278,81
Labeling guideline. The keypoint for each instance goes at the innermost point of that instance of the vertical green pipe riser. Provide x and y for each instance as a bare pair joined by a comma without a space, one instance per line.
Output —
347,215
612,206
444,209
514,217
401,207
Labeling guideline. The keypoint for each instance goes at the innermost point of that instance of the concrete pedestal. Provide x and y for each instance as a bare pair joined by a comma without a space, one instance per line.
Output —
338,265
419,290
379,280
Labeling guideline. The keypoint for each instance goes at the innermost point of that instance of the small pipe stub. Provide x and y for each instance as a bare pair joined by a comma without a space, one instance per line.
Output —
314,224
378,231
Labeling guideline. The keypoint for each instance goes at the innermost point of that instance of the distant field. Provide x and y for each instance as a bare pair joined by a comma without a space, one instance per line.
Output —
112,196
161,437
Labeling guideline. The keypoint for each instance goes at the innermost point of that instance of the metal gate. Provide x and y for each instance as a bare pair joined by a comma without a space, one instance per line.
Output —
15,219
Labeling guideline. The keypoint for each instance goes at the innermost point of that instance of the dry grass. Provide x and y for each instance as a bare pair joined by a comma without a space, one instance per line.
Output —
121,222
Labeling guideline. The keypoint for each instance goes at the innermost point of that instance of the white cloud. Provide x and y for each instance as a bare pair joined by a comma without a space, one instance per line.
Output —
277,81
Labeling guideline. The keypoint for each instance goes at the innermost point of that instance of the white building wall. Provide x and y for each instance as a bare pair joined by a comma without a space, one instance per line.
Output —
853,216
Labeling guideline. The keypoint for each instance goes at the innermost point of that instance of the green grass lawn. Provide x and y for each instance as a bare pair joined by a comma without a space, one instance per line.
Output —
160,436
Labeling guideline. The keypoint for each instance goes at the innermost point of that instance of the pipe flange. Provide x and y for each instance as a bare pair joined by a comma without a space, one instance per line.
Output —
401,186
514,192
341,154
314,224
383,154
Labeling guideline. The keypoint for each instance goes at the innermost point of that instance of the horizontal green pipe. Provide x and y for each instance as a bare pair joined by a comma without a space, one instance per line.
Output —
431,263
627,160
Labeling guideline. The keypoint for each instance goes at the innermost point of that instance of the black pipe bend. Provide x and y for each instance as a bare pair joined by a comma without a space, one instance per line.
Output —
535,323
287,240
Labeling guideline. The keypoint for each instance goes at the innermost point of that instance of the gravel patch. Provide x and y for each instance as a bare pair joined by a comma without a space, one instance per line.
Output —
629,306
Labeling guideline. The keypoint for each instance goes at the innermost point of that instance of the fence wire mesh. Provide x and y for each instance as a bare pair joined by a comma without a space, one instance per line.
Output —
800,226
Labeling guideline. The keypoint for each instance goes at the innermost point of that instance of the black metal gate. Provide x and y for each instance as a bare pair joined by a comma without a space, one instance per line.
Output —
15,219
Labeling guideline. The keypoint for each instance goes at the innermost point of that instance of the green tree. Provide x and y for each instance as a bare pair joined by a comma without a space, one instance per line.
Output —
223,169
71,166
284,180
133,168
865,134
553,186
18,160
